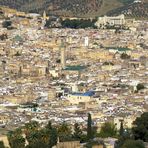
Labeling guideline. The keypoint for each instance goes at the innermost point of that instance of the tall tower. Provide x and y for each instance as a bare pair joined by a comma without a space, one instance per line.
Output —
20,71
63,57
86,41
44,16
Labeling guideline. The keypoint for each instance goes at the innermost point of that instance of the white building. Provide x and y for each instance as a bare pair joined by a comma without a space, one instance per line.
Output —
77,98
113,20
127,121
86,41
74,87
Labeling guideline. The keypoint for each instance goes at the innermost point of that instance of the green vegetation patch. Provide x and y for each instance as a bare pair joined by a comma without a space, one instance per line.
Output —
18,38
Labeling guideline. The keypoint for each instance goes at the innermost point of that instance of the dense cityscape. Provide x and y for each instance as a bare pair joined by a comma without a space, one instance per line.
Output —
71,82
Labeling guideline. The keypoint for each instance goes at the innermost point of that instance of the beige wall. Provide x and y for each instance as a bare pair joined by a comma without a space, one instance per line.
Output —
77,99
97,146
5,140
73,144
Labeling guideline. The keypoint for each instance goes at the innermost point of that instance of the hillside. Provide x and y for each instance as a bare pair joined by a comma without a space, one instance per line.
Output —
137,10
64,7
83,8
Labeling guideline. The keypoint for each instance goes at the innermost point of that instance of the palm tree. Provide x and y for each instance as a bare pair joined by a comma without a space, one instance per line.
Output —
64,132
31,126
77,132
33,137
44,136
16,139
52,135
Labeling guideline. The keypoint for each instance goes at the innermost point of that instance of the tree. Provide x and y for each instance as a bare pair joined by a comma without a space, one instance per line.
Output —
124,56
133,144
49,126
77,132
64,132
41,137
33,137
140,128
108,130
17,54
126,135
6,24
2,144
76,23
38,139
58,61
53,135
94,131
89,127
30,127
121,128
140,86
16,139
37,144
44,136
83,138
3,36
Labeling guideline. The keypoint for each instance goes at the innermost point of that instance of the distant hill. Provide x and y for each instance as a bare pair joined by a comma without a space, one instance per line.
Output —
83,8
135,9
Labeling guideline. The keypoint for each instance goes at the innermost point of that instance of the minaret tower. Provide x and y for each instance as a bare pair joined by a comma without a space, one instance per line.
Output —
63,57
44,16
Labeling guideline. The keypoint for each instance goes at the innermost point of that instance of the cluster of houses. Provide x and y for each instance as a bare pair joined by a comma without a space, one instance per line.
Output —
69,73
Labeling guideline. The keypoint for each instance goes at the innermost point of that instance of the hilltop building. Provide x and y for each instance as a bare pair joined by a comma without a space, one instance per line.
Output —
113,20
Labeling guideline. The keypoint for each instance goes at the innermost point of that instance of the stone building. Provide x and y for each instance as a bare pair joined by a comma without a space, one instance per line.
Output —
107,20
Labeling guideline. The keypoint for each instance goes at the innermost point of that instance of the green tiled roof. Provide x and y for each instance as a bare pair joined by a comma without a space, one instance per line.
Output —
119,48
18,38
75,68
